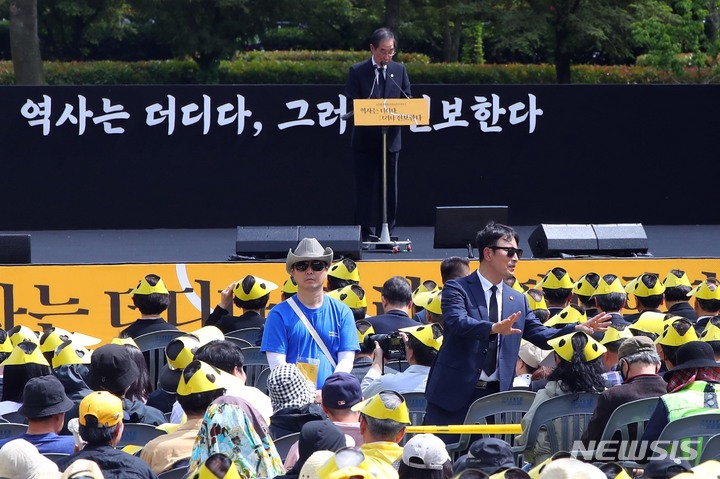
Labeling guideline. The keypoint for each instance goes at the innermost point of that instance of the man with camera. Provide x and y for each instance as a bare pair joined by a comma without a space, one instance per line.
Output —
396,298
421,345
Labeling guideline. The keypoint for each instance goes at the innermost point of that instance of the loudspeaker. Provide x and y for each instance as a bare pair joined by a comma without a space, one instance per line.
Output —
265,241
275,241
599,240
345,241
15,249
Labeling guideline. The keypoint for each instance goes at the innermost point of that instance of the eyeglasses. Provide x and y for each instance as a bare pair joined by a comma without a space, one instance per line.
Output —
390,53
314,265
509,250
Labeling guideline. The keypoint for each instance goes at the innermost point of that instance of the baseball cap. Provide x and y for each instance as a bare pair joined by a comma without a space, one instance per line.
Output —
104,406
341,391
425,451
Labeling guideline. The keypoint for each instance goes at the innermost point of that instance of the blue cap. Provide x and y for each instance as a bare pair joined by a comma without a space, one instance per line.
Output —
341,391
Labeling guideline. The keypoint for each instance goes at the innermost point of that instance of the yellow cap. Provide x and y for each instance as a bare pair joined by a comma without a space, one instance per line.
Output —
103,406
564,348
289,286
535,304
423,289
204,473
570,314
517,286
144,288
604,288
203,379
671,337
350,296
672,280
583,287
374,407
708,289
21,333
6,345
710,333
650,322
550,281
346,269
124,341
710,468
206,334
70,353
346,462
430,300
368,332
615,333
260,288
426,334
25,352
181,351
638,288
52,338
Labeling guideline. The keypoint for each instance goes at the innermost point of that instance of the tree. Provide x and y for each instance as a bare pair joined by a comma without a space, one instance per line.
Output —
24,43
679,35
563,30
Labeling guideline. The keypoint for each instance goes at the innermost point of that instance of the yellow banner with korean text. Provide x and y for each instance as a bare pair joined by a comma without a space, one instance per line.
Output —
95,299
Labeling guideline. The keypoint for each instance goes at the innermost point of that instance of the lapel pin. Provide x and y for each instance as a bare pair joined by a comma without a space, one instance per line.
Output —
511,298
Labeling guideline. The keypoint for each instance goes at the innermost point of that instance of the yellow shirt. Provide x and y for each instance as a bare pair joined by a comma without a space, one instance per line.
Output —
381,457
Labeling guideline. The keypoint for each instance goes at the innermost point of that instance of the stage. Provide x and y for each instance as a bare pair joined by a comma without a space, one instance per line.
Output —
217,245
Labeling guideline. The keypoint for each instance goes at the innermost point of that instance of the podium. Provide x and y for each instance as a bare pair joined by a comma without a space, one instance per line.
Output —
387,112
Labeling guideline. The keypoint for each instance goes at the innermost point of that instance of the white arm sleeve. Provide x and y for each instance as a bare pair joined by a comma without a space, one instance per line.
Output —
345,361
275,359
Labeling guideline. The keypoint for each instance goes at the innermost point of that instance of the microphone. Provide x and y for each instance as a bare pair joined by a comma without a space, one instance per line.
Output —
378,69
392,78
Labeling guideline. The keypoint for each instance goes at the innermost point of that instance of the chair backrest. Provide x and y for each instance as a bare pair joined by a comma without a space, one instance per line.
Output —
283,444
11,429
55,456
635,413
565,418
255,363
507,407
251,335
177,473
693,431
416,404
15,417
711,449
137,434
261,380
153,347
240,342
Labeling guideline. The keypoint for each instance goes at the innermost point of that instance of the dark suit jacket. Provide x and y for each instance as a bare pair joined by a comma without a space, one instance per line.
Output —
685,310
359,84
391,321
456,370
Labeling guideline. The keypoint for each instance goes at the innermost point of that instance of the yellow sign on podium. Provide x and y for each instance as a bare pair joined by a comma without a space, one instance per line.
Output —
392,112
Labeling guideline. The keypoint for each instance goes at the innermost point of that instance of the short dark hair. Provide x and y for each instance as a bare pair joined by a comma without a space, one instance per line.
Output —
670,352
382,34
594,280
396,290
611,301
154,303
95,435
653,301
197,403
260,303
424,355
710,305
556,296
222,354
677,293
491,233
453,267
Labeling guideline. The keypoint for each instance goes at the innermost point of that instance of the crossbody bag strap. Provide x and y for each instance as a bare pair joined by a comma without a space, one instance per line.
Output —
311,330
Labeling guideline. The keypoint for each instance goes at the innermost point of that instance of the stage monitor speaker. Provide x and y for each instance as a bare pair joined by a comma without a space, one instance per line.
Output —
15,249
266,241
345,241
625,239
549,241
273,242
621,240
457,226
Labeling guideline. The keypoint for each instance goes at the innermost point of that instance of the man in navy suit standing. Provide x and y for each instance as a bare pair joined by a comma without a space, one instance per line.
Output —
480,348
377,77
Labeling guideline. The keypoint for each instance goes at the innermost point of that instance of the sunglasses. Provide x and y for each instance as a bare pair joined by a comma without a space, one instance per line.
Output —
314,265
509,250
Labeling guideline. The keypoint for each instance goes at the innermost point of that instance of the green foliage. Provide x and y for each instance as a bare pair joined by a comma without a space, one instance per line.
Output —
472,50
678,36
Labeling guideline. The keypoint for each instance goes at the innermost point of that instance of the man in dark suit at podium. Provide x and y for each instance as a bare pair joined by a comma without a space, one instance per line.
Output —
377,77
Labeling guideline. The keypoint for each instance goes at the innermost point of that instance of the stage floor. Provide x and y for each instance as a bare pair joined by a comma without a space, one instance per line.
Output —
217,245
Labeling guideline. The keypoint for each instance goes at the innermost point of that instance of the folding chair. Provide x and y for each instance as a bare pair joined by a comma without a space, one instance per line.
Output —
565,418
177,473
240,342
283,444
693,431
137,434
261,380
11,429
507,407
251,335
416,404
55,456
711,449
255,363
14,417
153,347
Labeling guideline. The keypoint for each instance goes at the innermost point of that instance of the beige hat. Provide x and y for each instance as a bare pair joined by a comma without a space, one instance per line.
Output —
85,468
313,463
571,468
532,355
21,460
308,249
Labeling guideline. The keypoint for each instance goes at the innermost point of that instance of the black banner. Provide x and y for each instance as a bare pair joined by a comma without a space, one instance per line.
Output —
222,156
